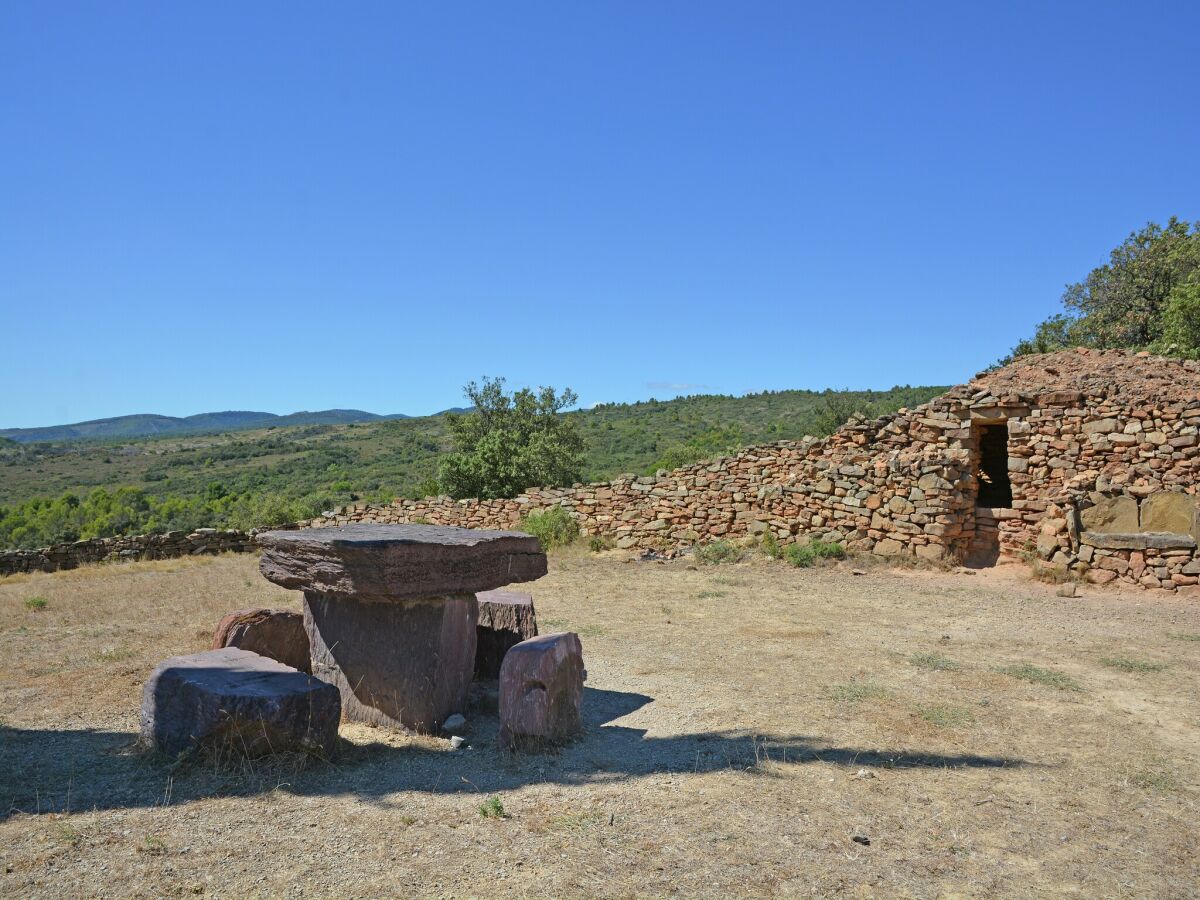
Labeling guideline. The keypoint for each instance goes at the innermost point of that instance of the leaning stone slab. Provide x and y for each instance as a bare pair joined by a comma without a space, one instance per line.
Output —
1140,541
399,562
390,610
1169,511
237,700
1112,515
505,619
541,690
277,634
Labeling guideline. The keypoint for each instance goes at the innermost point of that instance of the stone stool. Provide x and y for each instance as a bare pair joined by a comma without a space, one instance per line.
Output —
505,619
236,698
390,610
541,689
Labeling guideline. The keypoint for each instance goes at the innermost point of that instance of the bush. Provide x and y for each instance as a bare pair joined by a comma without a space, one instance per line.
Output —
553,527
717,552
599,542
770,545
804,555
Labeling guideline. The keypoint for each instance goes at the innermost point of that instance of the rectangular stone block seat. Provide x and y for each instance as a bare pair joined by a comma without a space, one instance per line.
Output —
240,701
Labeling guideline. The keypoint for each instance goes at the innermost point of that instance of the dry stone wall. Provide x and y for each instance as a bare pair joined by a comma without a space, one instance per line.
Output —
142,546
1103,460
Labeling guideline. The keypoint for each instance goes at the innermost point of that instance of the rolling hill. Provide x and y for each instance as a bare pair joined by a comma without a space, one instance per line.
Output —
150,424
63,490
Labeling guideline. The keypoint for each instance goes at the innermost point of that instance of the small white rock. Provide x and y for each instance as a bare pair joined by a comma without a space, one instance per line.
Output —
456,742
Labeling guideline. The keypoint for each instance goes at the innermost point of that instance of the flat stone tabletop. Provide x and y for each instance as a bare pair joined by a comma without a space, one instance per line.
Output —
398,562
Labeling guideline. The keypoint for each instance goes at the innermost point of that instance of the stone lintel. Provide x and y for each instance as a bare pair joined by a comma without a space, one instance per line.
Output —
1141,541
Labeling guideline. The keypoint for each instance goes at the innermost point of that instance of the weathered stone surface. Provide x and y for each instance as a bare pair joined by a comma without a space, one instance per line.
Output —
1112,515
402,664
1171,512
398,562
1139,541
541,690
277,634
505,619
238,701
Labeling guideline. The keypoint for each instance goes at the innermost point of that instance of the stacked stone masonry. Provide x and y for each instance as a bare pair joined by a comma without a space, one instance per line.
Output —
1081,426
141,546
1081,430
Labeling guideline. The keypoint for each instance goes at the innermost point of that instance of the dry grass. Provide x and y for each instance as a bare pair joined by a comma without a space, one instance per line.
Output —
747,726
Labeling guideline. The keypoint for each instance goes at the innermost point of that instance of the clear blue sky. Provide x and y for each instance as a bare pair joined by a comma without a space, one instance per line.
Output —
297,206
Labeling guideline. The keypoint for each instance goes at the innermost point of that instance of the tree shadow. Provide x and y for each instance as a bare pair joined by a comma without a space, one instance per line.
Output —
83,770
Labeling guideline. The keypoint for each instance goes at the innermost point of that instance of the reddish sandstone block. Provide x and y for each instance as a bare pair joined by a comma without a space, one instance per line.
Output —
277,634
541,690
505,619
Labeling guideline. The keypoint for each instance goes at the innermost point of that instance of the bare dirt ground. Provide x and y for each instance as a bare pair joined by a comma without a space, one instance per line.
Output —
745,724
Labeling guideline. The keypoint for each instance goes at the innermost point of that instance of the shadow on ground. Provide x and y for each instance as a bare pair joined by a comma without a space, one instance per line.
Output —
83,770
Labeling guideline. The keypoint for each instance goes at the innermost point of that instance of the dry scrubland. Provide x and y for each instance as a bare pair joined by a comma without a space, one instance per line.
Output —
744,724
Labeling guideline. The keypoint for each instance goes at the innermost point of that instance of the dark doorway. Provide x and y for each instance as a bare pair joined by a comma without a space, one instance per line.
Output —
995,490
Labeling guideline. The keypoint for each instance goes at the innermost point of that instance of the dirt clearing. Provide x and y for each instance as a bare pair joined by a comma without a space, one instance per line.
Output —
750,729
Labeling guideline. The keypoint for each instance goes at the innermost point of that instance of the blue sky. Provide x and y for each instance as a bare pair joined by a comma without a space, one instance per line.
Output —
299,206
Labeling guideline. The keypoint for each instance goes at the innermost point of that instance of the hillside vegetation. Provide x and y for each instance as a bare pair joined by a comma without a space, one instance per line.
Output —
52,492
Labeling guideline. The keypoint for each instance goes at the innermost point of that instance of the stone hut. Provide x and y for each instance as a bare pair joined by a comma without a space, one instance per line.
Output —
1084,459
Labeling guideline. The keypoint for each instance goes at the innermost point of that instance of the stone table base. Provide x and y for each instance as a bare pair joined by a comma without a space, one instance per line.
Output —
399,663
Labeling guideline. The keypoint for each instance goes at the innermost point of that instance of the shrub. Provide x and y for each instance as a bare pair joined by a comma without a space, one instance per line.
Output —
36,603
492,808
599,542
804,555
553,527
717,552
770,545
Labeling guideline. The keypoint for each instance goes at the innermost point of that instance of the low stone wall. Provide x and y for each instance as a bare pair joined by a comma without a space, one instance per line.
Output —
142,546
891,498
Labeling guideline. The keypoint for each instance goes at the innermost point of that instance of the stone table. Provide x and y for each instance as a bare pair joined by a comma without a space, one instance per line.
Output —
390,610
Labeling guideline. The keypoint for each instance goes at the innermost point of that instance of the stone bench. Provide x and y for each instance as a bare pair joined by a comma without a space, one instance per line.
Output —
237,700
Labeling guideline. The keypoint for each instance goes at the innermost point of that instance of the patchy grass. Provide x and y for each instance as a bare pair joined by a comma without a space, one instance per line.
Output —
36,603
711,595
857,692
936,662
1153,773
1036,675
1186,636
1130,664
944,715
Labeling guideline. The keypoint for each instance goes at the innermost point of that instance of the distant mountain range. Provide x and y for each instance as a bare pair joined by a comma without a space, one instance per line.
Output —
150,425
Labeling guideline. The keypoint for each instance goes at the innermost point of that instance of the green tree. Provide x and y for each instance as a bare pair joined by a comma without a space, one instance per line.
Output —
510,442
1143,297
